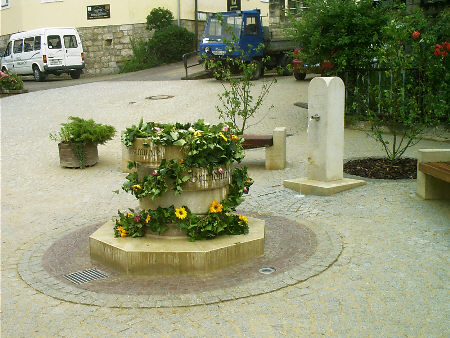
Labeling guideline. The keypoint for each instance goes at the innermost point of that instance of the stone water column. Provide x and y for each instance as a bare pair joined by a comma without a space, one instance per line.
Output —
325,147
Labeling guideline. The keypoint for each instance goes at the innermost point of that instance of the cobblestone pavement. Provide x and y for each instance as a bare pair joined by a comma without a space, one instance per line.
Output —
391,278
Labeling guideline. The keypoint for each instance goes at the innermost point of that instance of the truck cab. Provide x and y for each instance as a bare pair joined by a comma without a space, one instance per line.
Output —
232,34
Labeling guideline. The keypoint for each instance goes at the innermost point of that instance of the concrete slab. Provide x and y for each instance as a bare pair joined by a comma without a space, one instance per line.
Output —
320,188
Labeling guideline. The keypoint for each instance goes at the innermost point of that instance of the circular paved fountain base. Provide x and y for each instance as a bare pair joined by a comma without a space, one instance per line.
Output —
295,250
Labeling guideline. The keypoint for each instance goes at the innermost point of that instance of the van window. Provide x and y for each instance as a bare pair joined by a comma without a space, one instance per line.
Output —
37,43
70,41
17,48
54,42
28,44
8,49
251,27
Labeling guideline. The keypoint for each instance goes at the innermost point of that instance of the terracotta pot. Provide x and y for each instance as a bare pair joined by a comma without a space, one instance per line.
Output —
68,158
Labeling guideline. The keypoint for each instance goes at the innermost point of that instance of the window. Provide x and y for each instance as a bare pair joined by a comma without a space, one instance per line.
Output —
251,26
51,0
70,41
28,44
8,49
5,4
18,44
54,42
37,43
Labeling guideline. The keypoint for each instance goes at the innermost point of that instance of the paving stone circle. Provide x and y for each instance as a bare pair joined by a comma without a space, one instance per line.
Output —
296,250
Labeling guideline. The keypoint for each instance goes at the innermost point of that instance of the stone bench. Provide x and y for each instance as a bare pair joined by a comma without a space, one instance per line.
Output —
274,144
433,174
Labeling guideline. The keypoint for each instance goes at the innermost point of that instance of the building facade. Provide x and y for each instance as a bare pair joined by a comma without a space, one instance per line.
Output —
107,27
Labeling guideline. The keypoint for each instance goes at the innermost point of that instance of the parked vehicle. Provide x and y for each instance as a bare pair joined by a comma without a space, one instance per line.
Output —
249,32
301,69
44,51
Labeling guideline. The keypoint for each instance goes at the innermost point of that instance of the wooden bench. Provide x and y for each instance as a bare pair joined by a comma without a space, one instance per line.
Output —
433,174
275,145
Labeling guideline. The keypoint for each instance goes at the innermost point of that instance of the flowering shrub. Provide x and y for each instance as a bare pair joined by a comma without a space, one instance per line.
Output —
219,220
131,223
10,81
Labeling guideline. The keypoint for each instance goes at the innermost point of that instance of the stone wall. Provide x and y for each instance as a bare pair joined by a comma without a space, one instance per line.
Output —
106,46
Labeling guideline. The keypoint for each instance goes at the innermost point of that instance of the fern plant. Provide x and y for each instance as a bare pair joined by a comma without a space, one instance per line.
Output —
80,132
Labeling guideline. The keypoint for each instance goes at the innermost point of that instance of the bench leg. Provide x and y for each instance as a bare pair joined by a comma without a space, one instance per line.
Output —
429,187
276,154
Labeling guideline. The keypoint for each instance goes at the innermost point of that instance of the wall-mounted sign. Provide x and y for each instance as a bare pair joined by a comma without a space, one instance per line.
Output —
233,5
98,12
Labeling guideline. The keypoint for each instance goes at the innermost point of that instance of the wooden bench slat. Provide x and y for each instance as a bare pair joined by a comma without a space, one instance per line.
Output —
257,141
440,170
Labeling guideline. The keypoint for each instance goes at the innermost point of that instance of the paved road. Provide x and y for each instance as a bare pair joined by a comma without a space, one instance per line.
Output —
170,72
390,279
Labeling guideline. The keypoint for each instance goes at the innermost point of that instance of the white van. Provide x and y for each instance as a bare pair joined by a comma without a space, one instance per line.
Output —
44,51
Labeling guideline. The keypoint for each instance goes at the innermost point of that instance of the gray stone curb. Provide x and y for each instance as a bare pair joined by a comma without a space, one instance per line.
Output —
31,270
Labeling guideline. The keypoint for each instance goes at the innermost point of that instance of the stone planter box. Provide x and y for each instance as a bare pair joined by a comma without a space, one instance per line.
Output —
144,151
8,92
68,158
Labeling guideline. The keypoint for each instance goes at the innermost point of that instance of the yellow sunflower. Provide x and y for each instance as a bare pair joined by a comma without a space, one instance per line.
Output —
147,219
223,136
181,213
243,218
197,133
215,207
136,187
235,137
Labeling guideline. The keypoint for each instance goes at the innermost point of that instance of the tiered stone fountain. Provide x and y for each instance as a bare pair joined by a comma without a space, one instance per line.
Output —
172,252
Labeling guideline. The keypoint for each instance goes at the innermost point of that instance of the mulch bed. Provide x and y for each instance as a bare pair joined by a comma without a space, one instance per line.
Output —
382,168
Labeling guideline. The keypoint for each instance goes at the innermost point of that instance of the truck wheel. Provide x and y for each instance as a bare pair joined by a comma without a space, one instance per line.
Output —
258,72
285,61
75,74
299,76
38,75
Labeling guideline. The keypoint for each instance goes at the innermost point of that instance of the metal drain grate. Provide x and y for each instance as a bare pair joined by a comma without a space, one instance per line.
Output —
81,277
267,270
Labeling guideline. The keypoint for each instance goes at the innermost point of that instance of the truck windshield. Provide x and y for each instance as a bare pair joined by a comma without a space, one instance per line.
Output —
215,30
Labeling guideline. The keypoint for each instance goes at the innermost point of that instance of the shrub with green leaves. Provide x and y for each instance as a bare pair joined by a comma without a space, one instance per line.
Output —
343,32
143,57
159,18
81,131
10,81
170,43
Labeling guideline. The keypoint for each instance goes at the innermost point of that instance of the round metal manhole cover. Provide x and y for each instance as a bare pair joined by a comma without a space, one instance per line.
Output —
159,97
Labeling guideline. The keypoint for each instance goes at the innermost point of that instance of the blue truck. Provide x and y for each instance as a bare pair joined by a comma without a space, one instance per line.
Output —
238,34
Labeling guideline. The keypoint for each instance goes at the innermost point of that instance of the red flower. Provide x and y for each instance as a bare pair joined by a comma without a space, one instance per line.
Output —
437,52
416,34
438,46
137,219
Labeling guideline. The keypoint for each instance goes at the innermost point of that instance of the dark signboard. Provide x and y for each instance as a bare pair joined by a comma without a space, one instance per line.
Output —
98,12
233,5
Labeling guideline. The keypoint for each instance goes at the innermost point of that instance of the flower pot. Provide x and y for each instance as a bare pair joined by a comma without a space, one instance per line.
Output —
69,159
198,192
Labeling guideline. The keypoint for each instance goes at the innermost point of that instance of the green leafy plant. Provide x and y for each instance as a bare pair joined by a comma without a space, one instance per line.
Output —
219,220
340,33
414,93
159,18
239,103
170,43
80,132
10,81
143,57
206,146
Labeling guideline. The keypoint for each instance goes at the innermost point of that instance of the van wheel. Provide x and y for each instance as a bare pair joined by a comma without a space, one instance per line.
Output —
75,74
38,75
